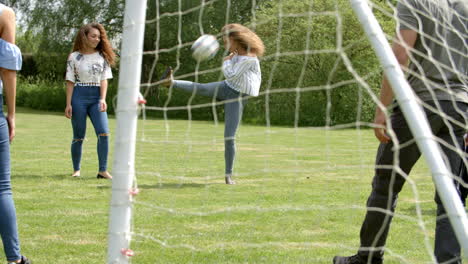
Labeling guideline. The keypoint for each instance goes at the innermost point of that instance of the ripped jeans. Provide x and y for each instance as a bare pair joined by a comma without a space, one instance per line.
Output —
85,102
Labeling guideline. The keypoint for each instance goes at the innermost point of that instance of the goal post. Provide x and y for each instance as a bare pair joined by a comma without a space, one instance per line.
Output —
184,178
416,121
119,236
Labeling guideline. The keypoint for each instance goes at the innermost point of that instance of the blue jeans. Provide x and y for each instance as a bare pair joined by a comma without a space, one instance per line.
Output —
85,102
232,111
8,227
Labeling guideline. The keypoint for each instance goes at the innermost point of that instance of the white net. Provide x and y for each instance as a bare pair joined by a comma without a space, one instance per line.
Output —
305,149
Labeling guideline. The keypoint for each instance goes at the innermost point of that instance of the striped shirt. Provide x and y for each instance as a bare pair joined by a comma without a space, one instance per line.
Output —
243,74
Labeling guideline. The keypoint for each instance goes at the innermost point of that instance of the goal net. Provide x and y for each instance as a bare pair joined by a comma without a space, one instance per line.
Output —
305,150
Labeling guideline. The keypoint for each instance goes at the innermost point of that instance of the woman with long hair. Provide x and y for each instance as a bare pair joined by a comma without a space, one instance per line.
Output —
88,69
241,69
10,62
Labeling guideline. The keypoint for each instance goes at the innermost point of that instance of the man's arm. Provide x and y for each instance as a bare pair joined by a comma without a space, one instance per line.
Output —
404,41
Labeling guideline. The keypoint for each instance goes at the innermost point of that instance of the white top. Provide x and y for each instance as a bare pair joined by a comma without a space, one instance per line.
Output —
243,74
87,69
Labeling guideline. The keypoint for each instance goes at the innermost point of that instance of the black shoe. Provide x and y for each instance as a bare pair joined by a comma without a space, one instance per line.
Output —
99,176
355,259
25,260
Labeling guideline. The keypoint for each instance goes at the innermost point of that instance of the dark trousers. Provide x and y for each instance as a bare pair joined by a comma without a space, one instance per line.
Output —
388,182
464,178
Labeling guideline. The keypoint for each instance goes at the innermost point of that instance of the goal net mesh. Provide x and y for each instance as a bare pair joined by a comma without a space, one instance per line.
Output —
305,149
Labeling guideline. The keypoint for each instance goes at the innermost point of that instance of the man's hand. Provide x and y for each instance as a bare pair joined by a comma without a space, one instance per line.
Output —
380,130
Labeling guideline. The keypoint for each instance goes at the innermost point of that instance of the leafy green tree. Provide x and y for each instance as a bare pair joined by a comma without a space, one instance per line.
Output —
53,25
308,43
169,34
310,48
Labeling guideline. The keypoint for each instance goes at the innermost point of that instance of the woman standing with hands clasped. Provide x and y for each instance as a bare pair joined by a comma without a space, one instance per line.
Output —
88,68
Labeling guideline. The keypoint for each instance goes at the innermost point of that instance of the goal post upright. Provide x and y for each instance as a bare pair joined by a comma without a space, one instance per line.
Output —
125,136
417,122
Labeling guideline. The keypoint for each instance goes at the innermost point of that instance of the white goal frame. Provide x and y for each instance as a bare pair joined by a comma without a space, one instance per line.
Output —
119,236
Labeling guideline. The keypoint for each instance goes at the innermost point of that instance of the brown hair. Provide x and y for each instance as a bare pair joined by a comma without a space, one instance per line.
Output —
245,37
104,46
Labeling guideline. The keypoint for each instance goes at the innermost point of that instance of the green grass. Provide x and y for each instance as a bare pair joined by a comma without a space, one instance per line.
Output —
300,196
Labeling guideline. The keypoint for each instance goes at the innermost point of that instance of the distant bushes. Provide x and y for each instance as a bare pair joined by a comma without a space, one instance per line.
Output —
43,94
40,94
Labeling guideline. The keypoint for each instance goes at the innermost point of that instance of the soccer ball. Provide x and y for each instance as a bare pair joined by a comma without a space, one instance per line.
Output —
205,47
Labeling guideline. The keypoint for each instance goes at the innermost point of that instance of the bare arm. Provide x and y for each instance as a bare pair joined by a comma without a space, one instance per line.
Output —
8,25
9,88
405,37
7,33
102,100
68,108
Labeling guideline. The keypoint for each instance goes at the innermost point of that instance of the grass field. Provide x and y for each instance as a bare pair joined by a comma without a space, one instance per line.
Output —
300,196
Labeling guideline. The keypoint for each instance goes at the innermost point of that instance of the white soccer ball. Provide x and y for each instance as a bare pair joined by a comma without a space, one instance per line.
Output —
205,47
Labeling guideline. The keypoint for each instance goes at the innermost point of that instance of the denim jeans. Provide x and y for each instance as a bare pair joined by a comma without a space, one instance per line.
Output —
232,112
85,102
8,227
387,182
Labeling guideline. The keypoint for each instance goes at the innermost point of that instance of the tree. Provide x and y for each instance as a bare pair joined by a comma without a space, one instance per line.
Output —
171,30
54,24
289,29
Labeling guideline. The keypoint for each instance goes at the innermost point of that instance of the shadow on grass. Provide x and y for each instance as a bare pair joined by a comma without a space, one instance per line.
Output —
63,177
164,186
80,178
173,185
36,176
412,211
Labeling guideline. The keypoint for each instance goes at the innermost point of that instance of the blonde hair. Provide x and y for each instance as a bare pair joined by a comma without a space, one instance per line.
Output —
245,37
104,46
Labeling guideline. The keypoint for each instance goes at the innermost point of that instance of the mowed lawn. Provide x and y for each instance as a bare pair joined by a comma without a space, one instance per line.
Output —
300,195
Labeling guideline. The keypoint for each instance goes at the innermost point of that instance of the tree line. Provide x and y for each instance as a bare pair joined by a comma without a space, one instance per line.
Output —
310,48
